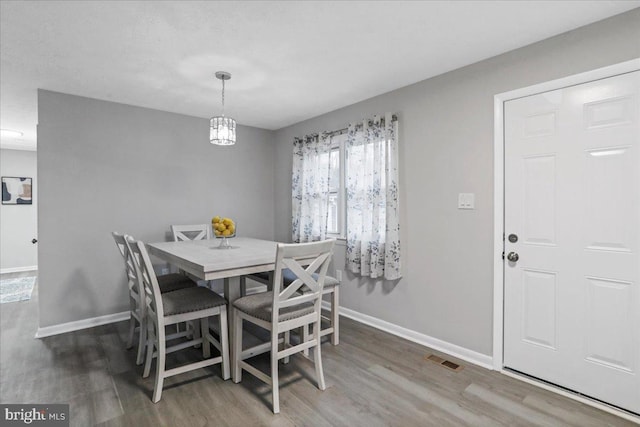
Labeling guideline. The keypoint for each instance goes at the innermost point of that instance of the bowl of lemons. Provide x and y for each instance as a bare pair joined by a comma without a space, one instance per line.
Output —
223,228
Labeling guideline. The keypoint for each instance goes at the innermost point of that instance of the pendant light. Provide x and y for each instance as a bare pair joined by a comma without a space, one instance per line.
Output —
222,129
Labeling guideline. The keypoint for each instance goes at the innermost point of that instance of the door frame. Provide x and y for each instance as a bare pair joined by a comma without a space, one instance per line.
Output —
498,183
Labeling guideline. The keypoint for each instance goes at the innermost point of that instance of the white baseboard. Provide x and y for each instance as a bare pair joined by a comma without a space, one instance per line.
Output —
19,269
63,328
437,344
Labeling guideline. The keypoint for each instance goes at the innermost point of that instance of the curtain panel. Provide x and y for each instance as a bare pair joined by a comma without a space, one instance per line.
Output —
310,187
372,199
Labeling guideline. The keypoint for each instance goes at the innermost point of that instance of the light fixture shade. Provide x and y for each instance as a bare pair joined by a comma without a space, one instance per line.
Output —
222,131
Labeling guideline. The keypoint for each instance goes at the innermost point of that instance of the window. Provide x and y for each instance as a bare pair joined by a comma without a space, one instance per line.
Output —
336,212
346,186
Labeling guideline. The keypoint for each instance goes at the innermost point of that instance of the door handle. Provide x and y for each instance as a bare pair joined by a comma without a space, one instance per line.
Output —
513,257
34,241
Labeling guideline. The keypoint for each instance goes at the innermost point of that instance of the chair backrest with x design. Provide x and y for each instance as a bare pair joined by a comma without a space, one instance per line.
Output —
191,232
305,288
128,261
148,282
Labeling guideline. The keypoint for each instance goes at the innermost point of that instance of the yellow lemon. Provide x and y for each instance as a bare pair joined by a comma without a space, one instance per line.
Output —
226,221
226,233
217,232
232,228
216,219
221,226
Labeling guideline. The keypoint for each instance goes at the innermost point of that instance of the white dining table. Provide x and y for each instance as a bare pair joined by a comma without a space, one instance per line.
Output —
205,260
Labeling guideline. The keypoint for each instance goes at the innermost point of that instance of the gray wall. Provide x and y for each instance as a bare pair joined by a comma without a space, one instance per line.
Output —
19,223
446,147
105,166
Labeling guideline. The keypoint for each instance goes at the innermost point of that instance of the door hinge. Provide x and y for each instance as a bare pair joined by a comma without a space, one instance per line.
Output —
503,255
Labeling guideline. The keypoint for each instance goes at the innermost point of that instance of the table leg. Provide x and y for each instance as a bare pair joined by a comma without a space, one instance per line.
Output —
231,293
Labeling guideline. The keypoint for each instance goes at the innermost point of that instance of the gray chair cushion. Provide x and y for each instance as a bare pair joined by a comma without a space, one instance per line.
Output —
190,299
259,305
288,277
173,282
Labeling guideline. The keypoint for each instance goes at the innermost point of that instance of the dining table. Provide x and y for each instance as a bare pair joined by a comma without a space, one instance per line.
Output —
207,260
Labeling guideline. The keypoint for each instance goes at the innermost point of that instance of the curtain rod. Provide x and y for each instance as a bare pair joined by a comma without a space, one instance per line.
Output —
342,131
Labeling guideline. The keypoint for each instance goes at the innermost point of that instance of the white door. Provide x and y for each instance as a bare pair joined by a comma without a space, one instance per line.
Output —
572,198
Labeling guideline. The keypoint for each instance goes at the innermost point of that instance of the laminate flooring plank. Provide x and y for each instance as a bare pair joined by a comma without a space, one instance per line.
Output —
450,384
137,419
571,413
93,408
112,345
306,408
371,393
445,404
355,401
526,414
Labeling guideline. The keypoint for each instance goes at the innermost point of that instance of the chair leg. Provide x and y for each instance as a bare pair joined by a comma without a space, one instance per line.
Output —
224,343
196,331
132,326
286,343
206,345
237,346
335,316
150,345
243,286
157,390
275,386
317,358
305,338
142,341
269,283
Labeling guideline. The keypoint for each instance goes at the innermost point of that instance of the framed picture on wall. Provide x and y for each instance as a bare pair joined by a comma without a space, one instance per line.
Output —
16,190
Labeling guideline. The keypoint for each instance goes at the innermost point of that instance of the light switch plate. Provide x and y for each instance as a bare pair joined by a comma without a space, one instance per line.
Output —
466,201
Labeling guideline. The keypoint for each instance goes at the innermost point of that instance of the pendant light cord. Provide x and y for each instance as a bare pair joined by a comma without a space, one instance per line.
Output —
222,97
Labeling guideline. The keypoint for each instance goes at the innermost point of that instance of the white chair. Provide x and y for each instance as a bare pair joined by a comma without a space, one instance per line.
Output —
137,307
191,232
283,309
182,233
331,288
191,304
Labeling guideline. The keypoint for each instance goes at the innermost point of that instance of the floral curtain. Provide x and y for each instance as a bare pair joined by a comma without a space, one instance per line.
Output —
373,230
310,187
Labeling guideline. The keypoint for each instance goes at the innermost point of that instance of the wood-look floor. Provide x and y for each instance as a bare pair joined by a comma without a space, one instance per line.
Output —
373,379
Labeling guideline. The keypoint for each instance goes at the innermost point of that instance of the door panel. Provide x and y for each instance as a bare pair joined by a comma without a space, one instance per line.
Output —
608,210
608,338
539,308
539,200
572,195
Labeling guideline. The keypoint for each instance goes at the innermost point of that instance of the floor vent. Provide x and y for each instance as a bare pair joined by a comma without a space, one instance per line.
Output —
444,362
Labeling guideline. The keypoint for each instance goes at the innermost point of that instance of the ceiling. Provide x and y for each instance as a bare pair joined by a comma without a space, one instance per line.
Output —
290,61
